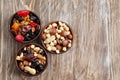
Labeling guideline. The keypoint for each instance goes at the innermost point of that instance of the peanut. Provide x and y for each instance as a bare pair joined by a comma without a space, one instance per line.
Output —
30,70
50,39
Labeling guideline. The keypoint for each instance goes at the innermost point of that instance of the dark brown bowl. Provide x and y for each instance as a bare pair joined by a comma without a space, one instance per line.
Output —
38,22
28,74
43,41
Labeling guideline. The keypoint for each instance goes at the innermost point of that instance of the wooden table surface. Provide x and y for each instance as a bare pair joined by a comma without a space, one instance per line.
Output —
95,53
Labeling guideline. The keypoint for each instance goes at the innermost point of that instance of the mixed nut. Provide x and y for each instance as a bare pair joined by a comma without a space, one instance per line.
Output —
57,37
31,59
25,26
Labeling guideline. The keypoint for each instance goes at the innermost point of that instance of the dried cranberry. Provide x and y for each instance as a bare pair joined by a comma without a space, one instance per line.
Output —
33,24
23,13
19,38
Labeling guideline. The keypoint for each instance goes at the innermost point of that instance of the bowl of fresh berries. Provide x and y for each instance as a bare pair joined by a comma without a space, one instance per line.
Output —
25,26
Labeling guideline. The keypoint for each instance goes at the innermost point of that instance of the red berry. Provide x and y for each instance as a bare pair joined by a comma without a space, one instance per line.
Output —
19,38
33,24
23,13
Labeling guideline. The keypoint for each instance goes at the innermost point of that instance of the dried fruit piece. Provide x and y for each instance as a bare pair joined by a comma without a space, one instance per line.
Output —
23,13
33,24
19,38
26,63
15,26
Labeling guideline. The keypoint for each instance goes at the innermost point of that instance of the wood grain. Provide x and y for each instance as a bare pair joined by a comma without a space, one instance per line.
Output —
95,52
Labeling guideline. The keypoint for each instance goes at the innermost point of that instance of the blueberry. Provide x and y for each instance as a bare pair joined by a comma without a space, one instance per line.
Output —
35,63
27,37
33,18
43,53
18,18
31,34
40,67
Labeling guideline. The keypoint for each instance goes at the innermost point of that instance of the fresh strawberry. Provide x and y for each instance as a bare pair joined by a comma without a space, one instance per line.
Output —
19,38
33,24
23,13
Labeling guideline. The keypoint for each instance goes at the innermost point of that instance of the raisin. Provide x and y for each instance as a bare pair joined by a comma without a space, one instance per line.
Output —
40,67
18,18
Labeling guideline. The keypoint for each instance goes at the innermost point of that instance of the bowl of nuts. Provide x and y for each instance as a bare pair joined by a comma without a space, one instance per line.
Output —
57,37
25,26
31,59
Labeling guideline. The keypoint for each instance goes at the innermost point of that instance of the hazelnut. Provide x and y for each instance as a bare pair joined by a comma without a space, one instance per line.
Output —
70,36
65,43
21,66
44,36
26,63
53,31
58,47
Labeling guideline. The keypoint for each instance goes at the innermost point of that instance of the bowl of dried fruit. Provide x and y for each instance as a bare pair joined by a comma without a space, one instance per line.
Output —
57,37
25,26
31,59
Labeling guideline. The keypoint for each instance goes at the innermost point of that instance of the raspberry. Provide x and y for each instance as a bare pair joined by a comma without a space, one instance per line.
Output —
23,13
19,38
33,24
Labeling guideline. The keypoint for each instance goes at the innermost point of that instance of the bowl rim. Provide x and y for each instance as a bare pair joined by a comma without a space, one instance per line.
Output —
27,74
43,42
10,20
